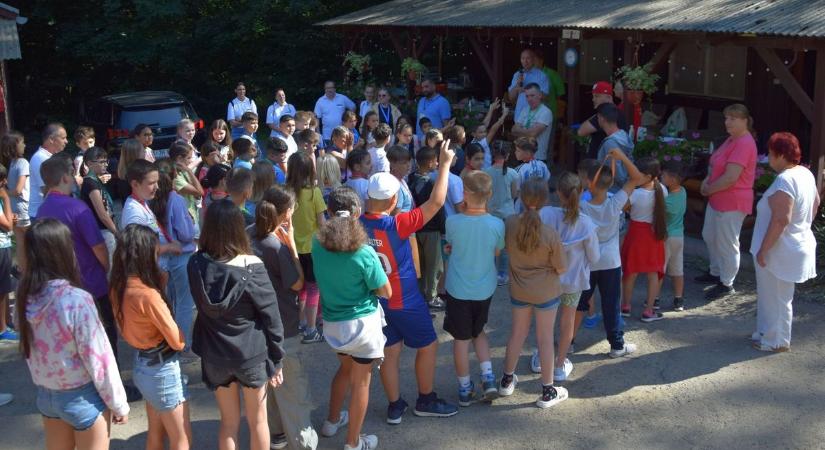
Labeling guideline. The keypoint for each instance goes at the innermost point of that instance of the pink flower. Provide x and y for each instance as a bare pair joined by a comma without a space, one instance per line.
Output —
695,135
677,158
667,157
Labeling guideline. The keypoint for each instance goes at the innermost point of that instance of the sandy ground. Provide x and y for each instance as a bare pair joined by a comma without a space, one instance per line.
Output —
694,383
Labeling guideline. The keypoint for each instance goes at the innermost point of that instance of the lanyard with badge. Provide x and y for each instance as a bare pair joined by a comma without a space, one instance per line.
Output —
154,224
386,114
530,115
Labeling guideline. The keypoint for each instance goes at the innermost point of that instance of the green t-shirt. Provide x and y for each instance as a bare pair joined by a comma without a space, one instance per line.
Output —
675,206
181,180
346,281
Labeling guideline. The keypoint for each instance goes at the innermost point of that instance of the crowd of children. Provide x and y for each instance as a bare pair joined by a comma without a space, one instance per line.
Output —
233,252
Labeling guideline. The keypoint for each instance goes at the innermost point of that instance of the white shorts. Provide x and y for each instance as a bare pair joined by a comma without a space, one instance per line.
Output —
359,338
674,256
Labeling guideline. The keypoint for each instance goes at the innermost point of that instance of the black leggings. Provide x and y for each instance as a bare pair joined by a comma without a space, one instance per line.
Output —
107,317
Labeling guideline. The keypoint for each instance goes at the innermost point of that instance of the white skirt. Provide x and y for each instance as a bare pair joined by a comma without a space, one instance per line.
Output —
360,338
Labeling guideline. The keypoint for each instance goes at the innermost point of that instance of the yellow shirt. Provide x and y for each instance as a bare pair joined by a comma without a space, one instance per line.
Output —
308,204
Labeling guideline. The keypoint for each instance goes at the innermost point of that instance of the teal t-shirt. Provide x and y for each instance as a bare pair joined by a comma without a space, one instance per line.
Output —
675,206
471,274
346,281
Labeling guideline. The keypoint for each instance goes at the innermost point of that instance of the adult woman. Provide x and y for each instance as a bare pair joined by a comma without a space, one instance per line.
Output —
387,112
238,331
368,102
729,188
144,134
277,109
783,244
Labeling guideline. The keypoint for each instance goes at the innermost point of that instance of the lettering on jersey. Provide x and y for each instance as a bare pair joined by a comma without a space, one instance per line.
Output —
375,242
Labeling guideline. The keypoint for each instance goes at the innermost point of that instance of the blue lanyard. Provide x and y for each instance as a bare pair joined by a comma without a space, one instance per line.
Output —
386,114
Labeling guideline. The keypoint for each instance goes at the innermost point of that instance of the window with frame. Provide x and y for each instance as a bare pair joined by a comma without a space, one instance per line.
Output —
596,61
708,71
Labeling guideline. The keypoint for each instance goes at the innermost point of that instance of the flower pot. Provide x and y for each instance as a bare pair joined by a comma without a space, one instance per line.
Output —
411,75
635,97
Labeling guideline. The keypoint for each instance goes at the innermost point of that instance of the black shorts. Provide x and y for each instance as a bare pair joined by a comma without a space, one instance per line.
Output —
362,361
306,265
465,319
253,377
7,284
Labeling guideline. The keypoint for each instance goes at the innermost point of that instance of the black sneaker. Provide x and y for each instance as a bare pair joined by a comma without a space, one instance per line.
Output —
719,291
656,304
432,406
678,304
436,304
707,278
395,410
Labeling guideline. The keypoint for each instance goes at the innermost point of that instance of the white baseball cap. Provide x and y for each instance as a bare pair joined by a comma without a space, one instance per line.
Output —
383,186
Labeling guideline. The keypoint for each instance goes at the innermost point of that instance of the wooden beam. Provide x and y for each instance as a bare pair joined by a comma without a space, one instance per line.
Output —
483,56
426,40
794,89
660,58
498,69
818,123
399,47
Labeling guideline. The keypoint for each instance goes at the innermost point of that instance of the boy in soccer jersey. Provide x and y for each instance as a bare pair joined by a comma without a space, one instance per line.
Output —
407,314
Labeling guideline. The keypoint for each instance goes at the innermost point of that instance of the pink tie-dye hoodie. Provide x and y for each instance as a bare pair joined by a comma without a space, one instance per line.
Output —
69,345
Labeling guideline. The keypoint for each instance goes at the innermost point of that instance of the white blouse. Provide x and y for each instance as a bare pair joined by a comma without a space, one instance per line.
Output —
581,246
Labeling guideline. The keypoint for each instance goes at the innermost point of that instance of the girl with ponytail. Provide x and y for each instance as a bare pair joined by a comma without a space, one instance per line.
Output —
501,203
536,259
643,250
581,247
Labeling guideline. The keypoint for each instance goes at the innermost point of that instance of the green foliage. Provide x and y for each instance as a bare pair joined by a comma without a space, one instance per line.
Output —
412,65
665,151
638,78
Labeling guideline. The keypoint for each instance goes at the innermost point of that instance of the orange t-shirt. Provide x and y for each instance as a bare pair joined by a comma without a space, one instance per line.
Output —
147,320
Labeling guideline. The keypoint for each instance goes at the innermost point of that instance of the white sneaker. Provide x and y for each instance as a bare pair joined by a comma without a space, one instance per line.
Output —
5,398
551,395
561,373
366,442
329,429
535,362
624,351
505,391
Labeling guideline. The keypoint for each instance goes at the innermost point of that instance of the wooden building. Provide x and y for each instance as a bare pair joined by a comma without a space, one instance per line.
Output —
767,54
9,49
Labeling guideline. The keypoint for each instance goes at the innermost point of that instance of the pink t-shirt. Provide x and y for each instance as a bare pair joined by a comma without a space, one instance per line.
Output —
739,197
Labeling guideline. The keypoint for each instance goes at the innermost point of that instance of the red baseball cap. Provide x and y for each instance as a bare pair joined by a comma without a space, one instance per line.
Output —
602,87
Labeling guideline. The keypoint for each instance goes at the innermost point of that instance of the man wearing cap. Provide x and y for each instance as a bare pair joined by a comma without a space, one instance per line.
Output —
602,93
534,121
406,312
528,73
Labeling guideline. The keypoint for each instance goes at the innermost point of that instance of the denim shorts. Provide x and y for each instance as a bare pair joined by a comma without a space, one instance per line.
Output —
549,304
161,384
79,407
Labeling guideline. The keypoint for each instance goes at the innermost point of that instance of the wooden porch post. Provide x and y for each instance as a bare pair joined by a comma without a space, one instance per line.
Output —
818,122
568,157
498,70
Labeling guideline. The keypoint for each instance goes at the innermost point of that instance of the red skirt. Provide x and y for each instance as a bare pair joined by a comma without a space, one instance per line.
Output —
641,251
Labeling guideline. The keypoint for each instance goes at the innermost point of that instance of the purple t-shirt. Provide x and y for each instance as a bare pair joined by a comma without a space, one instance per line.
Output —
85,235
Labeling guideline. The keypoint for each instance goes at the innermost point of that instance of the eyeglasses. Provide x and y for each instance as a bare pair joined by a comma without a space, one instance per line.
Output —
99,161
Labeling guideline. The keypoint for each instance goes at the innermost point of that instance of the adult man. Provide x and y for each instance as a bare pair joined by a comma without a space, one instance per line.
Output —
239,105
277,109
368,102
528,74
608,116
534,121
286,127
329,109
602,93
387,112
432,106
54,141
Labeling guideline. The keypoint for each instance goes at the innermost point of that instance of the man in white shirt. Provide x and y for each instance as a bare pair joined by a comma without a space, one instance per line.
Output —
54,141
329,109
534,121
286,127
368,102
276,110
528,74
239,105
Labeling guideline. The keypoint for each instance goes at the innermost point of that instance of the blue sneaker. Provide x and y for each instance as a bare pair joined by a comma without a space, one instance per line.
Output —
592,321
432,406
9,335
488,385
396,410
467,397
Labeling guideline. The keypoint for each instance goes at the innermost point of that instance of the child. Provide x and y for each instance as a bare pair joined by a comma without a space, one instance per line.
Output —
359,164
341,142
186,131
643,249
215,185
405,136
12,149
584,167
263,176
308,218
329,175
144,134
484,134
84,138
369,125
177,225
425,125
407,316
349,120
607,212
429,236
675,205
581,247
6,283
378,156
457,137
352,281
273,240
220,134
474,238
473,158
244,152
143,180
536,260
276,153
530,167
250,126
505,191
433,139
400,164
186,183
302,120
239,185
72,365
210,155
97,197
146,324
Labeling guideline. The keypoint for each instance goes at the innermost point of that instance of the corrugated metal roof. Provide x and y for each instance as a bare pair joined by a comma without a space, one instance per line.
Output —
763,17
9,40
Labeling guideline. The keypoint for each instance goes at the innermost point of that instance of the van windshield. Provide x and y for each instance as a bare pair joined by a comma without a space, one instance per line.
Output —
164,116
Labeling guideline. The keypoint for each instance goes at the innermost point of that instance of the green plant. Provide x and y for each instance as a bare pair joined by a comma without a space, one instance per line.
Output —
764,174
580,142
638,78
412,65
357,64
682,150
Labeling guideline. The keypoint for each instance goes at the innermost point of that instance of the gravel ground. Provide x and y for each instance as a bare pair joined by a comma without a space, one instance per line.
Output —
694,383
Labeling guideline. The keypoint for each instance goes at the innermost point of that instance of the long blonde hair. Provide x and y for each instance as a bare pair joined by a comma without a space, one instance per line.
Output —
130,151
528,233
570,186
329,172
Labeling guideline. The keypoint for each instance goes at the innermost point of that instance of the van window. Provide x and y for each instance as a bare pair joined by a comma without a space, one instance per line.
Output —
163,116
